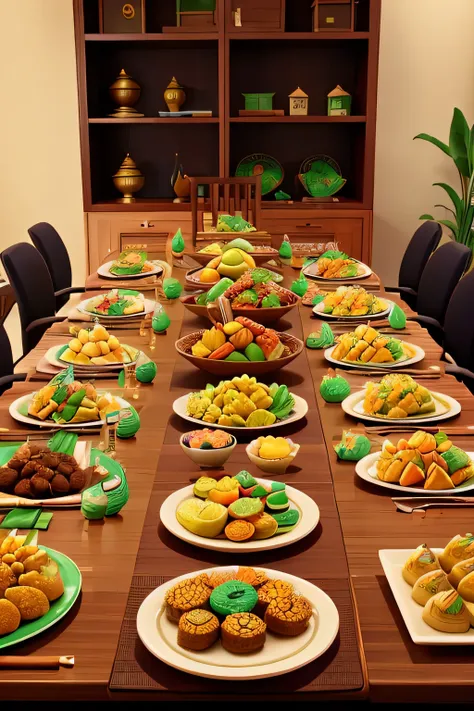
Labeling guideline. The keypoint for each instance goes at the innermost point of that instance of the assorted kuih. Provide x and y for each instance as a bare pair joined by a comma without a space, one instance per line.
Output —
131,262
444,584
338,265
272,454
352,447
30,581
117,302
236,609
334,388
217,249
239,340
241,402
67,401
250,293
367,345
238,508
251,280
324,338
349,301
425,460
398,396
207,439
97,347
232,264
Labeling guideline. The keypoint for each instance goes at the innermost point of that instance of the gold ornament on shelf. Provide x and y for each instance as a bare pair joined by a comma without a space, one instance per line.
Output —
125,92
174,95
128,179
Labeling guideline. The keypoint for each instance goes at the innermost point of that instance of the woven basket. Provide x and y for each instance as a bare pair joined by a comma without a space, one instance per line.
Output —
293,347
263,316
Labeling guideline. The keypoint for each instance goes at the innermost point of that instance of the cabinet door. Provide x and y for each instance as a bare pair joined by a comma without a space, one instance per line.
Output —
256,16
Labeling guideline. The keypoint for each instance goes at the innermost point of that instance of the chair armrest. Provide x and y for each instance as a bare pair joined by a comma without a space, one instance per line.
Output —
9,379
44,322
454,369
427,320
401,290
70,290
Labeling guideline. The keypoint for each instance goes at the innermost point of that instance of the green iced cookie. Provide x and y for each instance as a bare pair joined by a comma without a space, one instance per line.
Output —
278,486
277,501
232,597
287,520
245,479
258,492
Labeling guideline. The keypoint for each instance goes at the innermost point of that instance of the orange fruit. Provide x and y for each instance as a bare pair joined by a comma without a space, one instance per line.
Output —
208,276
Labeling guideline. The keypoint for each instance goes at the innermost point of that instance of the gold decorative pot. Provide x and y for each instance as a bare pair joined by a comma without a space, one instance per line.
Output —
174,95
125,92
128,179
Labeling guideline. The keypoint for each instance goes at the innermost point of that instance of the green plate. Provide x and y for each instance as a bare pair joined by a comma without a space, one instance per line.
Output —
262,164
321,176
72,580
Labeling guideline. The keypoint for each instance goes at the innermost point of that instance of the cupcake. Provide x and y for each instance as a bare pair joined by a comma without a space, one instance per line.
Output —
233,596
187,595
270,591
288,616
197,630
243,632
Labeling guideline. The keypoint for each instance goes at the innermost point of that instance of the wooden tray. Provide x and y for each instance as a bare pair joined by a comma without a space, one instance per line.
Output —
293,348
263,316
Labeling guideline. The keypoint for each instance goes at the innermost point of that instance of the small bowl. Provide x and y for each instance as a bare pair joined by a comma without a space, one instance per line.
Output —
272,466
208,458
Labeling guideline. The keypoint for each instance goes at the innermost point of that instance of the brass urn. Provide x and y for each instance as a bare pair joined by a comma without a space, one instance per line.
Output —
125,92
128,179
174,95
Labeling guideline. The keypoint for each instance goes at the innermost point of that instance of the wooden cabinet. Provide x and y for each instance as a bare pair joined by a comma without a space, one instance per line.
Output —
256,16
113,231
351,229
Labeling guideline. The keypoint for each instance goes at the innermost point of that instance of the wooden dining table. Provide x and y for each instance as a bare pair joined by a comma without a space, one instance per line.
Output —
106,551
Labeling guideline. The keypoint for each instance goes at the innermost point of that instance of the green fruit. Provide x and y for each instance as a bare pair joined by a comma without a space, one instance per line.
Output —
218,289
254,352
172,288
232,257
236,356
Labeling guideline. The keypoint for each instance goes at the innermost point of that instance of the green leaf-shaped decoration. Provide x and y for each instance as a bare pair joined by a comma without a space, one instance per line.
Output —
321,180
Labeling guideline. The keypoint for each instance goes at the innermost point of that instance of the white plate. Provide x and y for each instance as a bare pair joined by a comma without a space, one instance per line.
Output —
421,633
299,411
419,355
29,420
446,407
280,655
104,271
318,310
366,470
366,273
149,307
50,356
309,519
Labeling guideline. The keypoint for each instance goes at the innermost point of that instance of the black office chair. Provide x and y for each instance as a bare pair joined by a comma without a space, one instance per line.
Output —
30,279
7,376
424,241
459,332
442,273
53,250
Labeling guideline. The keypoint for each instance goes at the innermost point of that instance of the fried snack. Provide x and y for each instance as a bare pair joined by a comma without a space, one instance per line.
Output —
189,594
219,577
421,561
197,630
458,549
239,530
270,591
31,603
466,588
288,616
430,584
7,578
243,632
446,612
460,570
48,580
10,617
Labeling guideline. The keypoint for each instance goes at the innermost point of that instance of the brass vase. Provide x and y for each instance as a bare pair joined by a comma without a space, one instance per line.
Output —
125,92
128,179
174,95
180,182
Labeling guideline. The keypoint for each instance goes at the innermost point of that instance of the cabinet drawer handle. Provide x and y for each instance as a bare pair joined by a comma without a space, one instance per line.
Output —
308,224
146,224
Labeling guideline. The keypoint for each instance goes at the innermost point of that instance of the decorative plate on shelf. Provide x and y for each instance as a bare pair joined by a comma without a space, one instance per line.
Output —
321,176
262,164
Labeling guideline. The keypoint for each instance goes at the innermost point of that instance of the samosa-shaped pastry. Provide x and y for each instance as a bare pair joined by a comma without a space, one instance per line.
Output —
430,584
459,548
466,588
460,570
446,612
421,561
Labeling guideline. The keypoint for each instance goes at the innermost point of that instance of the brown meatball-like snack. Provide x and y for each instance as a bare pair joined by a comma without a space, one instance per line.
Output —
17,463
40,487
65,469
45,473
30,469
59,484
51,460
23,488
77,480
8,479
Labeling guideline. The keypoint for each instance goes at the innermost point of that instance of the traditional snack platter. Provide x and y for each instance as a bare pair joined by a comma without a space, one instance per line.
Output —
38,587
241,344
242,402
434,590
239,514
94,347
365,346
259,253
272,454
117,304
400,399
425,462
334,265
130,264
207,278
208,448
240,622
351,302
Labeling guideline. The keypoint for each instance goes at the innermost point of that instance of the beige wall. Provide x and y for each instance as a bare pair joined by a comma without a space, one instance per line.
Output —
40,177
426,68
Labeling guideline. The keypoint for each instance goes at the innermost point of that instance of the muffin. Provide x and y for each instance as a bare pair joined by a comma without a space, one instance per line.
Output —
197,630
288,616
243,632
187,595
269,591
233,596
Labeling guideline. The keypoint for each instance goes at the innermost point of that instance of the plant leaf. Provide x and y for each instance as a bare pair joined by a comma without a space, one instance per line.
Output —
455,199
459,138
435,142
451,226
426,217
448,209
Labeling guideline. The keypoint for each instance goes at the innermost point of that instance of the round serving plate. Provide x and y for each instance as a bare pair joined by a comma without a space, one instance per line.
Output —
309,519
319,311
263,316
366,470
446,407
280,655
20,406
148,304
299,411
223,368
418,355
309,272
104,271
51,356
262,164
72,580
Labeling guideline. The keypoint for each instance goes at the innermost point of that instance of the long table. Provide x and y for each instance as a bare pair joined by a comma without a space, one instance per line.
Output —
106,552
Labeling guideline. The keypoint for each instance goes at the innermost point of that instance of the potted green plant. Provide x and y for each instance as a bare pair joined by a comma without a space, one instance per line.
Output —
461,150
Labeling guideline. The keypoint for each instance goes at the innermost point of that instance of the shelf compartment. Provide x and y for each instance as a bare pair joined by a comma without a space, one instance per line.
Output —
156,120
299,36
152,37
298,119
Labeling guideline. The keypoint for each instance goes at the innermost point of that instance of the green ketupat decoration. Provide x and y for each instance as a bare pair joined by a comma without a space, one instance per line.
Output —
397,318
94,503
334,388
177,243
352,447
146,372
172,288
129,426
321,339
300,285
285,251
160,321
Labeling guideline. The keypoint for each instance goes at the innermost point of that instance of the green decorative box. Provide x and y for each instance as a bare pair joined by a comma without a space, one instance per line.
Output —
259,102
